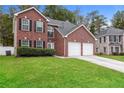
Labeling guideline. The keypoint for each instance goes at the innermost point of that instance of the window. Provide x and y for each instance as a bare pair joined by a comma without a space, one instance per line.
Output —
24,43
39,44
50,31
114,38
39,26
104,39
25,24
100,40
104,49
96,49
117,49
119,38
51,45
111,38
112,50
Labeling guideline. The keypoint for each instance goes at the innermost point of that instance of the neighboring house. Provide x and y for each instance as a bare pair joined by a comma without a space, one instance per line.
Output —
0,33
33,29
110,40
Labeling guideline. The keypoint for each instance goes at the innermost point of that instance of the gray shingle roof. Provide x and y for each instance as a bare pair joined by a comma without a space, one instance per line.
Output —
111,31
65,27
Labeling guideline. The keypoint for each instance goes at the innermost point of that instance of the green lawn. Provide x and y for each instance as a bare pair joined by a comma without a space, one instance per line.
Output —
55,72
120,58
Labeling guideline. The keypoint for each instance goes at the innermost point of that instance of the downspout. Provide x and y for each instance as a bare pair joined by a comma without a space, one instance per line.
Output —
64,46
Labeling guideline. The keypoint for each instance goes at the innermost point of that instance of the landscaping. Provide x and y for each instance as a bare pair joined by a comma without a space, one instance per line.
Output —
116,57
51,72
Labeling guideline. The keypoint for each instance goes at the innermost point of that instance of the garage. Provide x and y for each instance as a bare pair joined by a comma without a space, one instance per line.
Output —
74,49
87,49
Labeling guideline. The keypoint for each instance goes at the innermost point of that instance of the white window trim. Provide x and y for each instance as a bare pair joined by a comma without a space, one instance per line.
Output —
51,44
23,45
37,44
51,30
41,26
28,24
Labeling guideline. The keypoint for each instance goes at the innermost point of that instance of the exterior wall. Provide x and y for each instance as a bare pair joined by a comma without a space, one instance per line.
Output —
59,44
80,35
123,43
108,45
31,35
103,44
4,49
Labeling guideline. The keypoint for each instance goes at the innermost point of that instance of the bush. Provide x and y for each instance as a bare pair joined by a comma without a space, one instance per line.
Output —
35,52
121,54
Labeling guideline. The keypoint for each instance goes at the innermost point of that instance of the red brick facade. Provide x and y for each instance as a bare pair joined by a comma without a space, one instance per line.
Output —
60,42
31,35
80,35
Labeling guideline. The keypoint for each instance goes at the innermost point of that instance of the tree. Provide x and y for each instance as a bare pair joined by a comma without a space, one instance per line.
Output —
94,21
59,13
118,20
22,7
1,8
6,30
12,11
79,18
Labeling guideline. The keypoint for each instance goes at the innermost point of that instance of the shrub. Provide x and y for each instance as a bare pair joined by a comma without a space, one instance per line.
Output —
122,54
35,52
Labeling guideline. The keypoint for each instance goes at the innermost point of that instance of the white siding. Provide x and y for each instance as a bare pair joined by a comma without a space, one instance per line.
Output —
4,49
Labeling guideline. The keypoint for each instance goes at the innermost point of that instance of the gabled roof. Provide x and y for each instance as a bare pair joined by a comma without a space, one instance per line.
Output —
111,31
16,14
66,27
63,26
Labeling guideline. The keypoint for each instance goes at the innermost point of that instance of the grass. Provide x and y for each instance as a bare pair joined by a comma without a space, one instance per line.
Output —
118,57
50,72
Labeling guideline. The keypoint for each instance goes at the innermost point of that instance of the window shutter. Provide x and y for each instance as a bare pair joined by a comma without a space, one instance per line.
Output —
19,43
34,43
43,44
30,43
19,23
34,26
30,25
44,27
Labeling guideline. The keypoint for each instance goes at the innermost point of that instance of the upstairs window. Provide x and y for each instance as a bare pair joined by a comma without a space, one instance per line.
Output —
100,40
25,24
39,44
120,38
39,26
115,39
50,31
104,39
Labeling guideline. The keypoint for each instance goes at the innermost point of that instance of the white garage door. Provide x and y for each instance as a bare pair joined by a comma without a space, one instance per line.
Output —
74,49
87,49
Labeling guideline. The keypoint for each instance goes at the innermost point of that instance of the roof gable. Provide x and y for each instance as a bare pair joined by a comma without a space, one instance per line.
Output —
78,26
16,14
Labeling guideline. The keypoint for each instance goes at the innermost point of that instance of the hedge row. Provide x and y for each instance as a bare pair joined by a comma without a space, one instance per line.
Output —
35,52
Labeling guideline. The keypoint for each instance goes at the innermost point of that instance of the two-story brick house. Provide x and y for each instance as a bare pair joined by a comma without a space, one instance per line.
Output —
32,29
110,40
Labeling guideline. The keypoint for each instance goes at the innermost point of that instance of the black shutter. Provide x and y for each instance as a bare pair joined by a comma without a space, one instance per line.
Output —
34,43
30,43
43,44
19,23
34,26
19,43
30,25
44,27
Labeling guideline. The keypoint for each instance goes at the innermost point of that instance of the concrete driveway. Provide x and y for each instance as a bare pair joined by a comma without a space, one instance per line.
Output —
105,62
